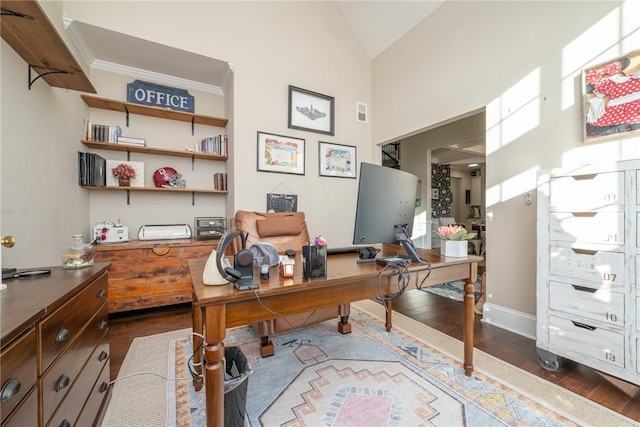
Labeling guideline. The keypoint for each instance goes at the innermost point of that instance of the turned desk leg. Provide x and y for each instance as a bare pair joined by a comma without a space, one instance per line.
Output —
215,330
344,327
197,343
388,304
469,303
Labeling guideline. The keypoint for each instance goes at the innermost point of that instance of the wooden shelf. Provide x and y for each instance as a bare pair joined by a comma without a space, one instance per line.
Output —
148,150
144,110
156,189
41,47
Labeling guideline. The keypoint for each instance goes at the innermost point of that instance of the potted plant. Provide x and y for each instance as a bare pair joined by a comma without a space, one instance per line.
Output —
124,172
454,240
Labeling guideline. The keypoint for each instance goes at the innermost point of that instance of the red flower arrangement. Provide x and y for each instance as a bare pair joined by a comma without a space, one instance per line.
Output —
123,171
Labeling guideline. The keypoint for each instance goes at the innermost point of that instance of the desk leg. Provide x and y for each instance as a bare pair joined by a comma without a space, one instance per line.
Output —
215,330
388,304
344,327
469,318
197,346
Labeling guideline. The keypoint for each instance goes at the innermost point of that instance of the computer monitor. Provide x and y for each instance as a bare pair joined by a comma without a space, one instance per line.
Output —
386,207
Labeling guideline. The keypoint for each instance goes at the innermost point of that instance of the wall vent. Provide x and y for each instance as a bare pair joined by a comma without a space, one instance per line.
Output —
361,112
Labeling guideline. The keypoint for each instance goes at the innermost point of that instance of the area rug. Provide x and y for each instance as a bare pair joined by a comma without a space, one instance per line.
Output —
409,377
453,290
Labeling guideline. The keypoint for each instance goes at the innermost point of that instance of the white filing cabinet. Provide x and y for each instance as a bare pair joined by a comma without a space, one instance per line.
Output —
588,281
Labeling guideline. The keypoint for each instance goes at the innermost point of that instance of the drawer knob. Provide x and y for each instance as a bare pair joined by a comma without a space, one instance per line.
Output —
10,388
160,251
65,423
103,355
63,382
102,293
103,324
62,335
103,387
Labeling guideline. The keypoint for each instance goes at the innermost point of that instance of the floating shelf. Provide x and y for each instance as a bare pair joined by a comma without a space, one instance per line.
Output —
148,150
170,190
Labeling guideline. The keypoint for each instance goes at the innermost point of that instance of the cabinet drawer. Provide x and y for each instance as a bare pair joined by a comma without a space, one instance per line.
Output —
601,267
18,370
95,403
586,192
570,338
26,414
601,305
62,377
62,327
82,388
587,227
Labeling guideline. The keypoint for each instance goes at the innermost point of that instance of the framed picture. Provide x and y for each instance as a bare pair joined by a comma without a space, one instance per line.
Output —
611,98
311,111
336,160
282,154
135,181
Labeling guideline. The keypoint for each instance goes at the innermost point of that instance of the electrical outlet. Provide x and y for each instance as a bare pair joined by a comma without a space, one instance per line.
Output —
528,198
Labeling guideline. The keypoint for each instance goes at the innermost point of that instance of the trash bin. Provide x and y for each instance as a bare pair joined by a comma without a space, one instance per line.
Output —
236,381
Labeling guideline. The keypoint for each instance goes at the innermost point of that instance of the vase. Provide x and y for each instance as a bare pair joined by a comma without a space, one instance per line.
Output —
124,182
454,248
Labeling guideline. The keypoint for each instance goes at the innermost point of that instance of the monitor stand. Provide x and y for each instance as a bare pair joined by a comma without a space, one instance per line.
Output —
401,236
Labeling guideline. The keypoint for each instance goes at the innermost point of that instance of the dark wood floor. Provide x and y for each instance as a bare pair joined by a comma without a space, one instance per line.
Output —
439,313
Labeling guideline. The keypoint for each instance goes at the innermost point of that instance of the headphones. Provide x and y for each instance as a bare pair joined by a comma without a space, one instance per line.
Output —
242,272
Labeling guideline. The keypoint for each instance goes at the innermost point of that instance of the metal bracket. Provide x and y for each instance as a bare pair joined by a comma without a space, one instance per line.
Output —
193,125
49,71
126,112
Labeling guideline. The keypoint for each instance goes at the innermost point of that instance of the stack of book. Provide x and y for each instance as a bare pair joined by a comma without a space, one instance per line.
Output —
101,133
220,181
129,140
92,169
218,145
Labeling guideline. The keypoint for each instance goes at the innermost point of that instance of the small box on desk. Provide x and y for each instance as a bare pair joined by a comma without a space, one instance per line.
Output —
314,262
209,227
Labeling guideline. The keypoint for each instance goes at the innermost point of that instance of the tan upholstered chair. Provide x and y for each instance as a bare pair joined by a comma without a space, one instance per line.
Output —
284,230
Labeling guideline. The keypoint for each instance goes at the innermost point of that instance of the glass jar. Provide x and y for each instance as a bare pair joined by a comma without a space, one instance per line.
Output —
78,254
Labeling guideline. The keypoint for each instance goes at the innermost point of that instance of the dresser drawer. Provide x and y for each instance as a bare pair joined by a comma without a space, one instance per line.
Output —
63,374
601,267
586,192
26,414
75,400
94,408
587,227
571,338
18,371
61,328
601,305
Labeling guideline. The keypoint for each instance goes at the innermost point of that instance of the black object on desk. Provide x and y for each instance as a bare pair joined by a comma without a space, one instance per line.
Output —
12,273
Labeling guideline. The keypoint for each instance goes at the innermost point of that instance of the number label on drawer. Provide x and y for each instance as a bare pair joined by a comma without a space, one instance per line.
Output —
589,227
587,192
601,305
600,267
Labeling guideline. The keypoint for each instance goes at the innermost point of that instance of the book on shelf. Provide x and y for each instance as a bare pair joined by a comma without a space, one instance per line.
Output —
91,169
217,145
101,133
131,141
220,181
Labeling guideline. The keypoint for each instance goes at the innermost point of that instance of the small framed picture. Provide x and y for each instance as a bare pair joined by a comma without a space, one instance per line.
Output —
611,98
336,160
311,111
281,154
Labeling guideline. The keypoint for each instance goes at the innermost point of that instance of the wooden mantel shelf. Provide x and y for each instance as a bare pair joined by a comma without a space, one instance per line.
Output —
144,110
26,28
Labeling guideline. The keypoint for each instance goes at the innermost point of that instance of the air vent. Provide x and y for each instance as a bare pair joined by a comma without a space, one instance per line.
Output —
361,112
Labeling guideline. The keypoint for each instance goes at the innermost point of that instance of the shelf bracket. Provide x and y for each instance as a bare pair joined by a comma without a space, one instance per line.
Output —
193,198
193,126
193,163
126,112
128,155
49,71
128,197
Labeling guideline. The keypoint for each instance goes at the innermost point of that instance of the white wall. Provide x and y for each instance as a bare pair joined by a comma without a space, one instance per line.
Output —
521,60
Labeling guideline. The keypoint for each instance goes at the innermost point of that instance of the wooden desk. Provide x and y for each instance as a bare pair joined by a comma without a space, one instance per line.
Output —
220,307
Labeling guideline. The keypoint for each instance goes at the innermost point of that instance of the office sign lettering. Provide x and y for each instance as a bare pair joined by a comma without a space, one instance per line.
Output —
155,95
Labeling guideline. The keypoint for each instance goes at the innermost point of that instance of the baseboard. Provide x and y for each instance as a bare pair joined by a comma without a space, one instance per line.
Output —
511,320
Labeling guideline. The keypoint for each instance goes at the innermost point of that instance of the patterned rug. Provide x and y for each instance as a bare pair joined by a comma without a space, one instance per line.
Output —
368,378
453,290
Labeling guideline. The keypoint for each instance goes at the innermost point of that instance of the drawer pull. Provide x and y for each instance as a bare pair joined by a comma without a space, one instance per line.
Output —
161,251
102,293
63,382
65,423
584,251
103,387
10,388
584,326
103,324
103,355
584,289
584,177
584,214
62,335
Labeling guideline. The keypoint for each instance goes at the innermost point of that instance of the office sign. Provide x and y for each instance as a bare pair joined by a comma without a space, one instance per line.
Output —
156,95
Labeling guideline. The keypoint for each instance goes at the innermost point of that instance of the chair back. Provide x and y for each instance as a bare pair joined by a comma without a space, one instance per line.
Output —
284,230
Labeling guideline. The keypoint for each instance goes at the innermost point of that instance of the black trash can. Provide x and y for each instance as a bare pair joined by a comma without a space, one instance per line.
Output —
236,381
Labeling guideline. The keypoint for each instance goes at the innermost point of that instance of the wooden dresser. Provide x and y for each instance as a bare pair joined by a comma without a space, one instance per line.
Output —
55,348
152,273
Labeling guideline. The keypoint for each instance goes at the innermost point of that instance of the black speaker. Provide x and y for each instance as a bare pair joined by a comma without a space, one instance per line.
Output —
242,272
467,196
